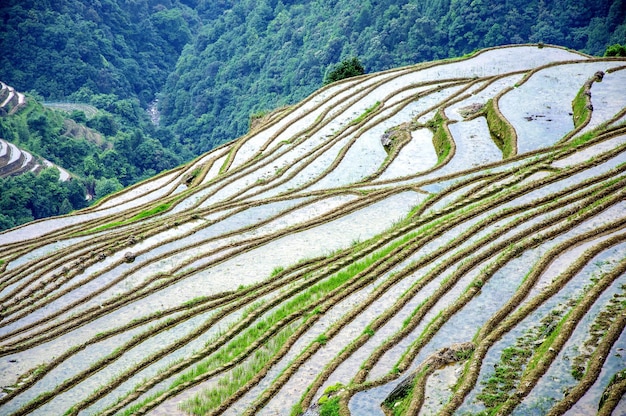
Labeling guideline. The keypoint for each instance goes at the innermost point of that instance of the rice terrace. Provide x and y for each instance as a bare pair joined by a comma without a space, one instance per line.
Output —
443,238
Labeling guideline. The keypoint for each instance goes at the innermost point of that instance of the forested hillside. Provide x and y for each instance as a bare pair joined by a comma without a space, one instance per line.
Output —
112,55
72,48
249,56
104,152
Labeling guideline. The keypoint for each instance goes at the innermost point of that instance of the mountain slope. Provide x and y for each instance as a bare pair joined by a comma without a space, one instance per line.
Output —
67,47
465,211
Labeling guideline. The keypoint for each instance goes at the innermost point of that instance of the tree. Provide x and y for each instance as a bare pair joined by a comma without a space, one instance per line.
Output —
78,116
76,193
347,68
615,50
107,186
104,123
6,222
48,193
66,207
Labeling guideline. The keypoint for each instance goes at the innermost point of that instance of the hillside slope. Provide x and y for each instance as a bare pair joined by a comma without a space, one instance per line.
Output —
70,47
455,222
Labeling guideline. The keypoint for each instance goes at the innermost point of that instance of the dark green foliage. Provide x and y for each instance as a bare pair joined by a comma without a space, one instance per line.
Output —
28,197
107,186
346,69
108,46
78,116
129,155
114,55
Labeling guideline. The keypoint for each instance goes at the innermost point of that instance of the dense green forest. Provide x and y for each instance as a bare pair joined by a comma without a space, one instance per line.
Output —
114,55
28,197
70,49
213,63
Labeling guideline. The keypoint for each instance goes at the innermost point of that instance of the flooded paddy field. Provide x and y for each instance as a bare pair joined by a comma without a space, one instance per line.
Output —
444,238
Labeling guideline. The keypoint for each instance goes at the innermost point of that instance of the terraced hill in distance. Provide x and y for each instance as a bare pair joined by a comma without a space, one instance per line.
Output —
444,238
11,101
67,107
14,160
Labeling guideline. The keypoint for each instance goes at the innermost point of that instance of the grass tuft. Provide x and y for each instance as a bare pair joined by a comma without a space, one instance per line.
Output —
580,107
365,114
502,134
441,138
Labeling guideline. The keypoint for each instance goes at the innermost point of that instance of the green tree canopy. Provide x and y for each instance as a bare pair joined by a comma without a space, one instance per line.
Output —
345,69
615,50
107,186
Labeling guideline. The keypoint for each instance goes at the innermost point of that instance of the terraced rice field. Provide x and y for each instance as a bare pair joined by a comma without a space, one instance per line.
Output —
67,107
11,101
307,266
13,160
16,161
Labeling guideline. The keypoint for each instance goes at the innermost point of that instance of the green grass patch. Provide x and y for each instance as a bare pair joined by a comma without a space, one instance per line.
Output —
579,107
365,114
150,212
501,132
441,139
104,227
333,389
144,214
322,339
226,163
330,407
297,410
276,271
210,399
70,411
583,138
329,402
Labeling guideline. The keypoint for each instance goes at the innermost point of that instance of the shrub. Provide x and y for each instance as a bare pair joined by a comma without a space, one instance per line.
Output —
346,69
615,50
